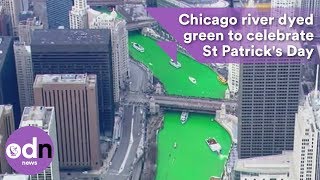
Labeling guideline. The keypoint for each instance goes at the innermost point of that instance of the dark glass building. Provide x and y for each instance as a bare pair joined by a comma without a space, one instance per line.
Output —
58,13
65,51
8,78
269,98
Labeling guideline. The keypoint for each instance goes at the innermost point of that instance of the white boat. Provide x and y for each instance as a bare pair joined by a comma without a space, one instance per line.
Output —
213,145
175,64
138,47
184,117
193,80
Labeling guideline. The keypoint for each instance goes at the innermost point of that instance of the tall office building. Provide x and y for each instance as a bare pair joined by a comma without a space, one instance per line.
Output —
63,51
6,128
5,25
75,99
44,118
119,39
269,97
24,72
78,16
27,24
8,78
12,8
58,13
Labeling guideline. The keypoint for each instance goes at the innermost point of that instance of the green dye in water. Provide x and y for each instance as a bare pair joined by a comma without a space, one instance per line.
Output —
191,159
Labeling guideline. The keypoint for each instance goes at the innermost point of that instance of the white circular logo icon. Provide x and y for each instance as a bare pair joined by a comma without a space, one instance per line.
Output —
13,150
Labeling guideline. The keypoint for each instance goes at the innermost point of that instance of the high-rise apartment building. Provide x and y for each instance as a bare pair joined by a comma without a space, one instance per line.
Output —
64,51
119,39
44,118
24,72
75,98
78,16
269,97
12,8
27,24
58,13
8,79
6,128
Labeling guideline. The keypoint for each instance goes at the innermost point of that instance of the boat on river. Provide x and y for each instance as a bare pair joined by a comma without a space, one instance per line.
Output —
184,117
193,80
213,145
138,47
175,64
222,79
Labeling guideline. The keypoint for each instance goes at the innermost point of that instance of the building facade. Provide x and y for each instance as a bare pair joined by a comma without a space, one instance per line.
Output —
5,25
306,141
12,8
75,98
63,51
27,24
78,16
44,118
233,77
9,91
58,13
6,128
23,61
120,52
269,97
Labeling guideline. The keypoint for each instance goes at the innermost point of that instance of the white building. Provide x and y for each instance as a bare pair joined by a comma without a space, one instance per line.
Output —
233,77
78,16
120,52
23,60
43,117
12,8
275,167
306,159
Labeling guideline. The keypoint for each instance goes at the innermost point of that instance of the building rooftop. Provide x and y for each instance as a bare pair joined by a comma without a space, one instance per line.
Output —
39,116
5,108
15,177
4,46
70,36
64,79
266,164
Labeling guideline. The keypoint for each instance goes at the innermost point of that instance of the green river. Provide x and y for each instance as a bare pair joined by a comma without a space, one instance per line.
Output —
191,159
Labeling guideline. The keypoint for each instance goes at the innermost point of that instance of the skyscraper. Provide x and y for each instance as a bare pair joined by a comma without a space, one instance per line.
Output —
12,8
78,16
63,51
306,139
58,13
233,77
5,25
27,24
119,39
75,99
310,7
8,78
44,118
24,72
6,128
269,97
